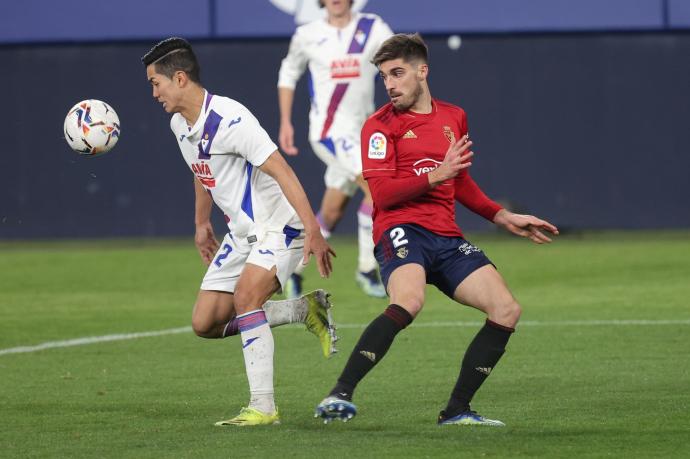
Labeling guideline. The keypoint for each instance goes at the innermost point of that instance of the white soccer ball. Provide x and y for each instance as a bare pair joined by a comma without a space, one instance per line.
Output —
454,42
92,127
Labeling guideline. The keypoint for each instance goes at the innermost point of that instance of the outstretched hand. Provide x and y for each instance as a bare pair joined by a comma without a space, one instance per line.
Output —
527,226
206,242
314,243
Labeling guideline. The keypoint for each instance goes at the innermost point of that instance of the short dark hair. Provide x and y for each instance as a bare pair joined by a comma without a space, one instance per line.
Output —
408,47
322,4
171,55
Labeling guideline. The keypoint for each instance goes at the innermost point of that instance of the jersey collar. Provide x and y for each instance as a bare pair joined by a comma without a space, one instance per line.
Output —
354,19
434,110
202,114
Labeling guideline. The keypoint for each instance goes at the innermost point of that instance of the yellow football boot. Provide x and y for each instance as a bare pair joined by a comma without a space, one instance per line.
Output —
319,320
251,417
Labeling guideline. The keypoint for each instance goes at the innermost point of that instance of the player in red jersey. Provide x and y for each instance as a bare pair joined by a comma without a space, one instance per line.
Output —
415,156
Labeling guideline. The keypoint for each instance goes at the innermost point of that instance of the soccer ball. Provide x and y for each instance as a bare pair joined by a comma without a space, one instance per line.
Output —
92,127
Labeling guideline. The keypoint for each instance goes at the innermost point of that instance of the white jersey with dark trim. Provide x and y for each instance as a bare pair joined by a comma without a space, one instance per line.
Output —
224,149
342,76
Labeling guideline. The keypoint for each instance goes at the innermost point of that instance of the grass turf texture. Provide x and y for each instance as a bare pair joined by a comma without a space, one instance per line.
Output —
564,390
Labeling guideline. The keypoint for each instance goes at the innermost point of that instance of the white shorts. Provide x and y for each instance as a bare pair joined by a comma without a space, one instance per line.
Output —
275,249
343,162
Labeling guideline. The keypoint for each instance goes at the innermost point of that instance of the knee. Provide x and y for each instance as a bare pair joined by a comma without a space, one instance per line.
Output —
508,313
414,307
411,303
245,301
202,325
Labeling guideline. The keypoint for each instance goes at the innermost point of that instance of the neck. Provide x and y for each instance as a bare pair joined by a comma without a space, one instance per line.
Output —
423,105
192,104
340,21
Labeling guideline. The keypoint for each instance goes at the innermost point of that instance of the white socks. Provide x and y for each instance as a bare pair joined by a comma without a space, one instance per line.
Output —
257,347
300,268
283,312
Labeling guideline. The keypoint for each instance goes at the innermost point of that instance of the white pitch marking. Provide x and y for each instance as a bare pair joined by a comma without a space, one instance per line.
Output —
173,331
538,323
92,340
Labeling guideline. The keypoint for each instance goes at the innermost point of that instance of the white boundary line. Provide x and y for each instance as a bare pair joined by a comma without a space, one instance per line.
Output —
174,331
92,340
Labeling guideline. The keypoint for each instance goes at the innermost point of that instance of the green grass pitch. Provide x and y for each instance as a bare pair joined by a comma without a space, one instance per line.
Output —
599,367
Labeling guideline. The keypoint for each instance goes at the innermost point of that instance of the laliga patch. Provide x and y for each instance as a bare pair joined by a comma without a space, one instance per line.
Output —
377,146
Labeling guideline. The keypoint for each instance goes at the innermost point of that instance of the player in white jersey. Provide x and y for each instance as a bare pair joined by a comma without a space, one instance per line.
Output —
271,224
337,50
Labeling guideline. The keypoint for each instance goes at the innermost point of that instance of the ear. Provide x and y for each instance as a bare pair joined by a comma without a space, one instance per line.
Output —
180,78
422,71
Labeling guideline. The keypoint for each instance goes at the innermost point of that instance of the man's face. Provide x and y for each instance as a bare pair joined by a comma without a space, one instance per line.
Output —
337,8
403,82
165,90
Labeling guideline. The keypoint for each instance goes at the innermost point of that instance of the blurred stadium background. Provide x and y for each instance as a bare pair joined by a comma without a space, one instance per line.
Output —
579,111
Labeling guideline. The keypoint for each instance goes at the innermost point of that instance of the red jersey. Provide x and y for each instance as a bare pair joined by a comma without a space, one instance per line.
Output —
398,150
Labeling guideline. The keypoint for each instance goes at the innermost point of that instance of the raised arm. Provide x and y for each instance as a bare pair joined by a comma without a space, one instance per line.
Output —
388,192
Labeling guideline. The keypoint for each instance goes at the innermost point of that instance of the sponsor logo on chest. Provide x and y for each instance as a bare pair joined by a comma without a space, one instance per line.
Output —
348,67
424,166
203,173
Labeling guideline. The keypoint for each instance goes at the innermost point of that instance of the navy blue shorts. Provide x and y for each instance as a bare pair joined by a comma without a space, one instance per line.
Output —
447,260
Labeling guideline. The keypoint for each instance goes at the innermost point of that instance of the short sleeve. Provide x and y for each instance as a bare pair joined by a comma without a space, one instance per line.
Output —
378,150
243,135
383,32
293,65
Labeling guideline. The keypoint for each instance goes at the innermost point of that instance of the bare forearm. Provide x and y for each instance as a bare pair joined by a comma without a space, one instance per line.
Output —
298,200
203,203
277,167
286,97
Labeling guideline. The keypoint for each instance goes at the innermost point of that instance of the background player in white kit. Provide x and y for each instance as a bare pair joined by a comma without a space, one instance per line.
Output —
338,51
271,223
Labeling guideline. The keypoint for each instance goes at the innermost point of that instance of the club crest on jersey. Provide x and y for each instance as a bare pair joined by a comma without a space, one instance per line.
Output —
204,141
402,252
377,146
360,37
448,132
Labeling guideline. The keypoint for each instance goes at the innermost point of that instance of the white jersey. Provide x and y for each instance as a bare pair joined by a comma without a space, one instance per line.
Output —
224,149
342,76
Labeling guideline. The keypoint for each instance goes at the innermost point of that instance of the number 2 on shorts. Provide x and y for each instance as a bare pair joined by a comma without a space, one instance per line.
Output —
397,236
227,249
